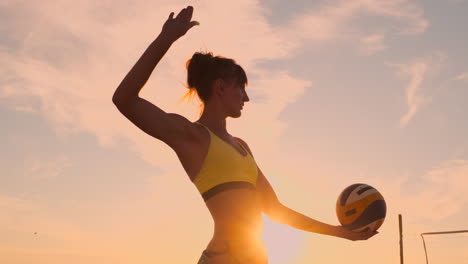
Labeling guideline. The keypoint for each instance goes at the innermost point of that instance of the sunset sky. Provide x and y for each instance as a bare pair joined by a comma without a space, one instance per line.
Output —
341,92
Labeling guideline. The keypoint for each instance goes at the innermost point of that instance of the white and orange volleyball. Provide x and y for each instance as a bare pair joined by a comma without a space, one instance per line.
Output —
360,207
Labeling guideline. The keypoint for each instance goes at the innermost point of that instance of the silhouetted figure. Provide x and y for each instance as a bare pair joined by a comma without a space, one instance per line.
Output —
221,166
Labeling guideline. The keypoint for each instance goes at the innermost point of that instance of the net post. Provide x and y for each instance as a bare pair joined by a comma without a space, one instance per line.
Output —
400,222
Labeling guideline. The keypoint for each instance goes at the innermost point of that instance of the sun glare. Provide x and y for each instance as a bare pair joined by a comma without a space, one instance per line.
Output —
283,243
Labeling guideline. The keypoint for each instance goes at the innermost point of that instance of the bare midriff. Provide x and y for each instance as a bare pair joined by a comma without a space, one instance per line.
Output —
238,225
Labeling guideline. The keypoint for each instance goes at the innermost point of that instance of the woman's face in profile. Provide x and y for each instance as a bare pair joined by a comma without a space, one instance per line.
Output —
236,95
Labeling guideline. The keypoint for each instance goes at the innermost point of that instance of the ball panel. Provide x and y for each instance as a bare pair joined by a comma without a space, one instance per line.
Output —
365,228
349,213
361,192
372,226
364,188
346,192
377,210
378,224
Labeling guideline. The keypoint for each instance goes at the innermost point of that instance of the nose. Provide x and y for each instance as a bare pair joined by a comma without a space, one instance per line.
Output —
246,97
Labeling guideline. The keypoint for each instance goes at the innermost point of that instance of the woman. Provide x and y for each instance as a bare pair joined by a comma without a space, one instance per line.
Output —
220,165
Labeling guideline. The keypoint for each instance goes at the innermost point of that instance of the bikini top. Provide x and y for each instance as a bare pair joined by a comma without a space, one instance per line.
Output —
225,168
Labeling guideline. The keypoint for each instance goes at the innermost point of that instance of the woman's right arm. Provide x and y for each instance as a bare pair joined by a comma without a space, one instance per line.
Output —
170,128
280,213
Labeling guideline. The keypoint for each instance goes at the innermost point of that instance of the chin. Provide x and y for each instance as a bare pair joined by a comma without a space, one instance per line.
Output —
236,115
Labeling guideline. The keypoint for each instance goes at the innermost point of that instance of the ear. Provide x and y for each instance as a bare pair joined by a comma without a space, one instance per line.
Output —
219,87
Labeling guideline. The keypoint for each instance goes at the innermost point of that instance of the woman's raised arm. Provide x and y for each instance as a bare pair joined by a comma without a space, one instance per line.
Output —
170,128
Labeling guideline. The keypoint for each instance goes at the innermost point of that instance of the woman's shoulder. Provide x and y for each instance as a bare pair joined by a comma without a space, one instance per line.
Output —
244,144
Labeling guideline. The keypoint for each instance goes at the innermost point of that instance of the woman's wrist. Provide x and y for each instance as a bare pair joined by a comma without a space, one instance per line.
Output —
165,39
337,231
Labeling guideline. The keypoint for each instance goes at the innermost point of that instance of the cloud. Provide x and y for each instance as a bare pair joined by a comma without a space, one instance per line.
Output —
14,203
404,10
335,21
66,65
448,192
463,77
417,71
372,44
42,169
414,100
442,190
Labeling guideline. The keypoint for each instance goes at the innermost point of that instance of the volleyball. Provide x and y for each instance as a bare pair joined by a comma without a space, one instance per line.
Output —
360,207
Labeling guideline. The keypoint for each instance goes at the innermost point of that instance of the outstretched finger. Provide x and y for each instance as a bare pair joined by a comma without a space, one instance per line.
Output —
181,14
189,13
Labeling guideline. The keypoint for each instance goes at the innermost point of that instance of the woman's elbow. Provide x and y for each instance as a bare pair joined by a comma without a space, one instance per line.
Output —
118,99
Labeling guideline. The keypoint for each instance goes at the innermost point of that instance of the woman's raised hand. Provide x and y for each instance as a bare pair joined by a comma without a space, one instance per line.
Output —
174,28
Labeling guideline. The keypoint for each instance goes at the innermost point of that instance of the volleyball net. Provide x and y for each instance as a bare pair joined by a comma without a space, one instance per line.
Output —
443,247
456,232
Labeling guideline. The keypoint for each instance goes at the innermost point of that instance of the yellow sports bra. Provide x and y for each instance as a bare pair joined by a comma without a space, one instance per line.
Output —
225,168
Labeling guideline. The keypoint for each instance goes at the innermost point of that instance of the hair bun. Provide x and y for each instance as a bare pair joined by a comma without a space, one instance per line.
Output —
197,67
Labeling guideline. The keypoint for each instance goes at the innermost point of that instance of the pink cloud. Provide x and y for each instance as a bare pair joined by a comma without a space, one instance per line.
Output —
372,44
71,62
417,71
333,21
463,77
442,190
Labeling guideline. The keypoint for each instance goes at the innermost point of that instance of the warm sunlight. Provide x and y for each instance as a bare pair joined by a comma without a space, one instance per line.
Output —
102,163
283,243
